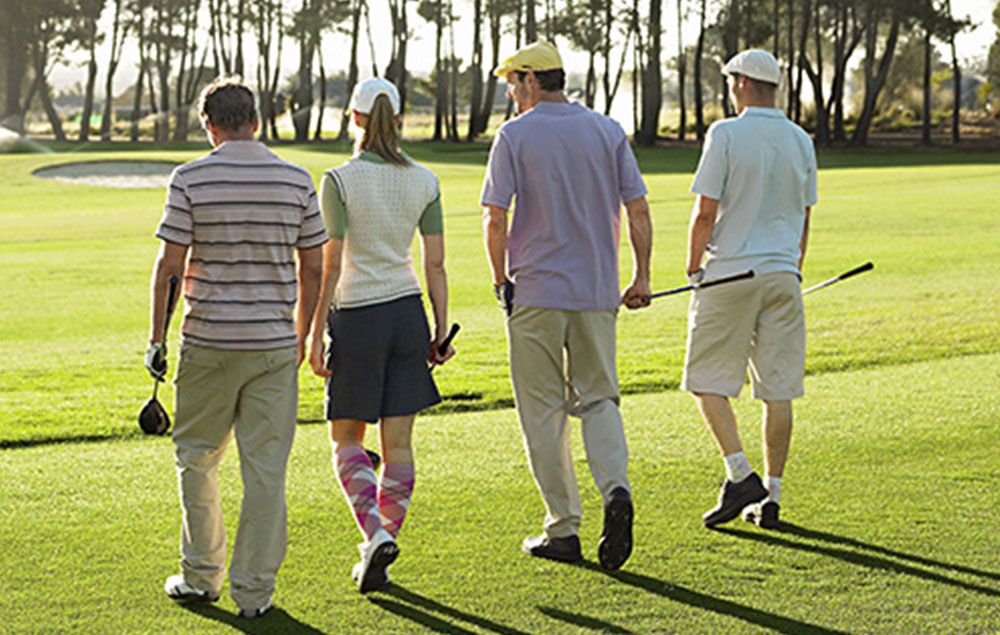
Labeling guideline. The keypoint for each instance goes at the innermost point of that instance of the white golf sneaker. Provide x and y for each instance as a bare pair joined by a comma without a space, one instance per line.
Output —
178,589
376,554
258,612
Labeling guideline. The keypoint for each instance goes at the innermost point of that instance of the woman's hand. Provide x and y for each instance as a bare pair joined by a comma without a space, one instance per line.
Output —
316,359
435,357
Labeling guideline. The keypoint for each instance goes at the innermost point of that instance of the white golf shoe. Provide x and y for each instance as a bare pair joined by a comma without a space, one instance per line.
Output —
178,589
376,554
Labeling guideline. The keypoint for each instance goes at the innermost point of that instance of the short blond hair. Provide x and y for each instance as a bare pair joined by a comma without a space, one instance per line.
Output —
227,103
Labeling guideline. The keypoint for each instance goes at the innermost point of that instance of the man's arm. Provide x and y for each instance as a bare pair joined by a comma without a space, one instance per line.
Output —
640,233
171,262
700,231
331,276
804,241
310,274
495,238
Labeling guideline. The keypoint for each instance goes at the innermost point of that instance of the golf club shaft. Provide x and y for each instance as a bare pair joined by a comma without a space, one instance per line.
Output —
709,283
868,266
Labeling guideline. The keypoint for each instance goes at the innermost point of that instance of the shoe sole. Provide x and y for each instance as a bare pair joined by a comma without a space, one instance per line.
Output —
725,515
556,558
615,545
375,577
193,598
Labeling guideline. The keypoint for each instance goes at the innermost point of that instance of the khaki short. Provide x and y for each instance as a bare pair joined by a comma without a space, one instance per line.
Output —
758,320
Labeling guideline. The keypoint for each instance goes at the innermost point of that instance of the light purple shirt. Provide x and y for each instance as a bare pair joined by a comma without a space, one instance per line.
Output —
569,169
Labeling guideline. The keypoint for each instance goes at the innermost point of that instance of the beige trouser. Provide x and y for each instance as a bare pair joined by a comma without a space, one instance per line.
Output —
255,392
563,363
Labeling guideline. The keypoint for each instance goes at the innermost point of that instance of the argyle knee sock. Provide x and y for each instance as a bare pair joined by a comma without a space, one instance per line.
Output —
358,480
394,492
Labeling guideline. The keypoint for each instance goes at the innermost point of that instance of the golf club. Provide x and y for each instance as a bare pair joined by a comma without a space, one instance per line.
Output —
868,266
153,418
746,275
455,328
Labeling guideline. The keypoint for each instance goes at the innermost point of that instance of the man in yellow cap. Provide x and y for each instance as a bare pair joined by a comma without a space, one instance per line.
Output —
556,275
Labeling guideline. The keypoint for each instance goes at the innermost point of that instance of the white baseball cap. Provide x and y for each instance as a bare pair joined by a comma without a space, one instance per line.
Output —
365,93
755,64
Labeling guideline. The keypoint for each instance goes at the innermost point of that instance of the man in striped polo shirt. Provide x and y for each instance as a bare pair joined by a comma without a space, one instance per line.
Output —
243,214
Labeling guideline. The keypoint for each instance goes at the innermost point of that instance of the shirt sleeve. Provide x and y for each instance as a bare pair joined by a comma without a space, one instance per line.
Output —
432,220
311,232
630,183
332,205
500,184
177,225
812,194
710,179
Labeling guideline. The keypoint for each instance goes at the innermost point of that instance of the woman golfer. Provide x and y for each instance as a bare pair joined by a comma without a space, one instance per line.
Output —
376,367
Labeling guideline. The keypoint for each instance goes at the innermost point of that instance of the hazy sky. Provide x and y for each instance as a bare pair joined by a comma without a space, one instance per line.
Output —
972,44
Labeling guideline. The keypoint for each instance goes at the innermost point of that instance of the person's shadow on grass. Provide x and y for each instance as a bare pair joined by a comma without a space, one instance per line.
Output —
277,620
583,621
420,609
677,593
775,538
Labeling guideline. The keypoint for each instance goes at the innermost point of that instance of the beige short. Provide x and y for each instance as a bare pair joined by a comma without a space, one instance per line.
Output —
758,320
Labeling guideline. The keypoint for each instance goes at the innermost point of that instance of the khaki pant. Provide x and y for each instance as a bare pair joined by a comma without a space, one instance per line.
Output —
255,393
563,363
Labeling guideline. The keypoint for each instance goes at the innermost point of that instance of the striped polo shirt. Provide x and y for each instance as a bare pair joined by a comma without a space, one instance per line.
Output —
244,212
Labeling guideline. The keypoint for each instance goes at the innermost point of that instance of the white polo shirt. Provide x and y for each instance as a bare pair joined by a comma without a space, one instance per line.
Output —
762,169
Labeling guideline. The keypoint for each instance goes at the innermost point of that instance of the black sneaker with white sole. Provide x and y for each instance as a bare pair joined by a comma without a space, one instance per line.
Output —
615,545
733,497
565,549
764,515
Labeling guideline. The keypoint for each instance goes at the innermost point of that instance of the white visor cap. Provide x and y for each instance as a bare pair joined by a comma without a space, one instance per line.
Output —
365,93
755,64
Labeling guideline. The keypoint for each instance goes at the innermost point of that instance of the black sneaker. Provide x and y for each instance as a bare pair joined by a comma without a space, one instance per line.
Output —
764,515
615,545
733,498
561,549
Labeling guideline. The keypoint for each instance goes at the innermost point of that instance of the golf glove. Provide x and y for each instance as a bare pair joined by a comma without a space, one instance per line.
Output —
696,277
156,360
504,293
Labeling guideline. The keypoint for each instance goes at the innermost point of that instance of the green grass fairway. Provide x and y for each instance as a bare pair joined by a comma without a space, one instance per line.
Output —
891,495
76,263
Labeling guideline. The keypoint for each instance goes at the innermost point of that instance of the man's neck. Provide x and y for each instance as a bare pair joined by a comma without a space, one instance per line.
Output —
556,96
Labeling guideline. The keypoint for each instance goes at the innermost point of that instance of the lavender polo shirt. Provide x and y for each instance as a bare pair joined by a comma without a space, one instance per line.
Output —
570,169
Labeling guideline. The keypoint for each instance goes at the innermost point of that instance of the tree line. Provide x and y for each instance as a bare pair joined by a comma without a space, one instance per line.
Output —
182,44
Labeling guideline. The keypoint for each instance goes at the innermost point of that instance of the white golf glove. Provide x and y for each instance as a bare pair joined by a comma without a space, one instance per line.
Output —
156,360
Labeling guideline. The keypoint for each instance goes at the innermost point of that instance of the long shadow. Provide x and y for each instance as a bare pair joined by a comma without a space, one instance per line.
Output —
417,600
864,560
677,593
277,620
584,621
420,617
802,532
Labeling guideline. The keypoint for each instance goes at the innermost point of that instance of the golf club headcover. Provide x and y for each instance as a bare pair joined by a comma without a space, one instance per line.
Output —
153,418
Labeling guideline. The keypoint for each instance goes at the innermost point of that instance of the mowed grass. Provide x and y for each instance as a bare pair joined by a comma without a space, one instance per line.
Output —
890,498
76,263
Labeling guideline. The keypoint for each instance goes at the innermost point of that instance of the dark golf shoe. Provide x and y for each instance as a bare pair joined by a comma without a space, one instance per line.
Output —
764,515
565,549
733,498
615,545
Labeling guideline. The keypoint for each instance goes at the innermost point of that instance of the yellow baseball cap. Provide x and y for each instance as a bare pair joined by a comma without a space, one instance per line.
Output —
540,56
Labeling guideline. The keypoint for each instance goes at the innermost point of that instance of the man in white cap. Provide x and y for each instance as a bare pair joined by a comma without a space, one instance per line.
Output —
571,170
756,183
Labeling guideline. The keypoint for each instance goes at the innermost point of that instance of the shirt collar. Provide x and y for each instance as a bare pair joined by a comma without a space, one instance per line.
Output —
555,107
236,148
757,111
368,155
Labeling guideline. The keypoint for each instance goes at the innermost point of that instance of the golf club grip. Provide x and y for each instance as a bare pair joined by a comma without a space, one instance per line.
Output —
171,297
455,328
733,278
868,266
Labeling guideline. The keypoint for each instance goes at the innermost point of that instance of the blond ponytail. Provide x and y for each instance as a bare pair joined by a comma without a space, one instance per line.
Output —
381,136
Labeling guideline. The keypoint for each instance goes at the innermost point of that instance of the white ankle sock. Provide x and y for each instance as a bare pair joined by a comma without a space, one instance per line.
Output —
773,485
737,466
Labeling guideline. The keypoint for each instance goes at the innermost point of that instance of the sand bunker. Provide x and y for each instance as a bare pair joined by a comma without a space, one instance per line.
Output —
121,174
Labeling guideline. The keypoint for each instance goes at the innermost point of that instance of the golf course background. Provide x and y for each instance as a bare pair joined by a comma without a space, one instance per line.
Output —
892,488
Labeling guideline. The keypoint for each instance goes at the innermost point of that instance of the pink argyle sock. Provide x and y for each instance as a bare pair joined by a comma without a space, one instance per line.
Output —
394,491
358,480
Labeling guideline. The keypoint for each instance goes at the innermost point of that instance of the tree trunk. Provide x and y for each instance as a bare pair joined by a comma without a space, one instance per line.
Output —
302,104
119,32
453,92
776,29
681,72
352,69
137,97
318,135
88,95
41,63
956,73
875,82
486,109
441,77
530,23
927,113
790,85
476,70
699,101
652,92
803,40
15,68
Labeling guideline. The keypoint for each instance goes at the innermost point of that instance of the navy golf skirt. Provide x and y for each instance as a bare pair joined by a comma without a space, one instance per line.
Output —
378,357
